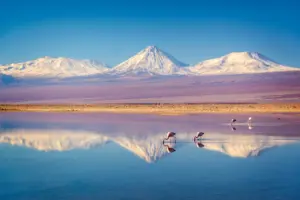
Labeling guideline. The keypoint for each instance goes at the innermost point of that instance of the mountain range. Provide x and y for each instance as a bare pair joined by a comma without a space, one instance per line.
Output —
150,61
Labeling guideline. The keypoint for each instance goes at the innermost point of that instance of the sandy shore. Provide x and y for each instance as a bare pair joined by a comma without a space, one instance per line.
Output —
168,109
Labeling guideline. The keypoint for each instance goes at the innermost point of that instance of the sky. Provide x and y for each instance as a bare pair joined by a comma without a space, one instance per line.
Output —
112,31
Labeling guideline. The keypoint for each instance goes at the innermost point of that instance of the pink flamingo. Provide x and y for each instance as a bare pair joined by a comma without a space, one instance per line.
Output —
233,121
199,135
170,135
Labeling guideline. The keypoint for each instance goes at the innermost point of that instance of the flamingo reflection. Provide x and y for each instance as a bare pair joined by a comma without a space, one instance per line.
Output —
169,149
199,144
250,127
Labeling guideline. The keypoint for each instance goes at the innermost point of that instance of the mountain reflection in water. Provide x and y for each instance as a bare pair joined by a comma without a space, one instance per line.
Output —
143,134
108,156
147,146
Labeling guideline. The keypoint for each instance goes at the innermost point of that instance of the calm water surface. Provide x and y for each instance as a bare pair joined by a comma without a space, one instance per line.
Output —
114,156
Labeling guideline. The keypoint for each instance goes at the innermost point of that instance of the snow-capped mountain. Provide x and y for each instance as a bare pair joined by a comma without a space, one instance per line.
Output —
150,61
238,63
54,67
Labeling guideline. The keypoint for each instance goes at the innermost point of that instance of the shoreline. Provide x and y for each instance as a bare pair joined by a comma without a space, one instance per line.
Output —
164,109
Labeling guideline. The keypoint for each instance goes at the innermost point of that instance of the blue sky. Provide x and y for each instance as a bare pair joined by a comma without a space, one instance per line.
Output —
111,31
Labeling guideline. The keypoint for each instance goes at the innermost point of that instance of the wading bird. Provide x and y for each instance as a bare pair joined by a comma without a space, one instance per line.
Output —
199,135
233,121
249,120
170,135
250,123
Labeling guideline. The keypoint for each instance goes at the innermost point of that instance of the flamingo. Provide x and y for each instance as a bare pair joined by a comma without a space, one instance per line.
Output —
233,121
170,149
250,123
170,135
199,135
249,120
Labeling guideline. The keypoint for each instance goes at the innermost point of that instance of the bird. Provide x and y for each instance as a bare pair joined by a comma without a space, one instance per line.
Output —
250,123
199,145
199,135
170,135
233,121
233,128
170,149
249,120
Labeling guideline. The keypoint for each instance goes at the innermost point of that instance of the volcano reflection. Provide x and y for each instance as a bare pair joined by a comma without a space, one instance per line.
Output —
147,146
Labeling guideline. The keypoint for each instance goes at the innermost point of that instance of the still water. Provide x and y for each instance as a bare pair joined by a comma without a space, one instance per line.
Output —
118,156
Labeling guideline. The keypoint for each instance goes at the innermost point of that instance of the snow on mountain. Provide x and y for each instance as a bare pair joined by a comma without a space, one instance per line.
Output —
47,67
238,63
150,61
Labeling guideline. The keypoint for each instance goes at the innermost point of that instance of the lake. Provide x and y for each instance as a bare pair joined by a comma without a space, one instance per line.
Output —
122,156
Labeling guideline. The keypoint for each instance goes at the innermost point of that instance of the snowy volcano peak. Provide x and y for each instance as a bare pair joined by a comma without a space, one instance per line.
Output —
246,56
239,63
151,48
54,67
151,61
158,52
